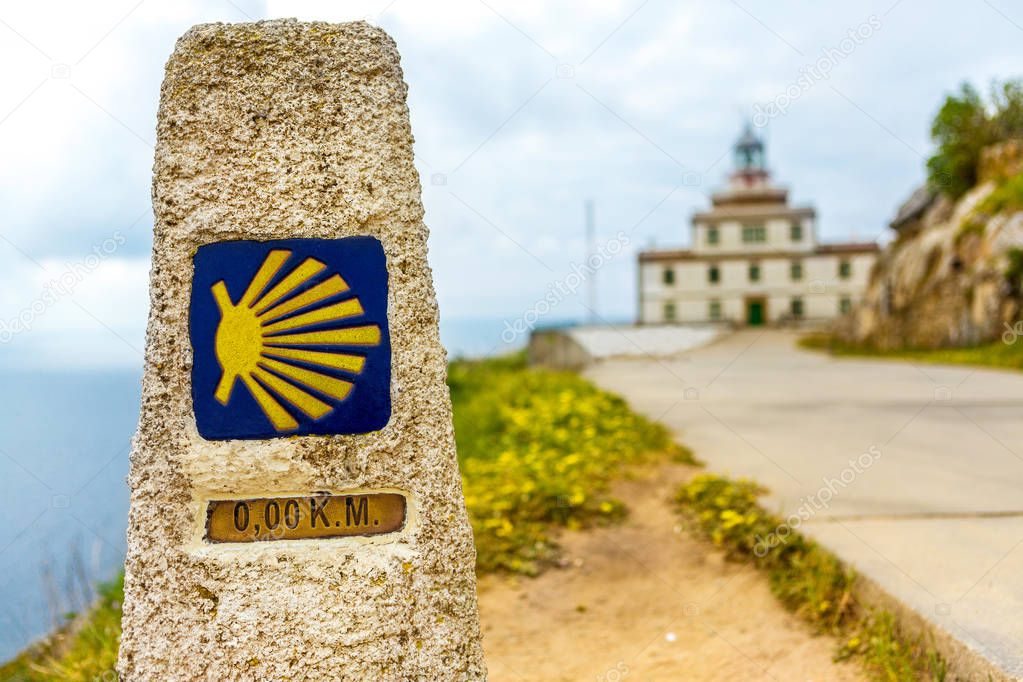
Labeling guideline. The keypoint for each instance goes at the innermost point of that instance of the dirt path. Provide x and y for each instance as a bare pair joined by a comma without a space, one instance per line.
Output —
644,601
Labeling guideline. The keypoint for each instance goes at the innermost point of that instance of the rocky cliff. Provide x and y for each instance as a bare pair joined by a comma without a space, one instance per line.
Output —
952,276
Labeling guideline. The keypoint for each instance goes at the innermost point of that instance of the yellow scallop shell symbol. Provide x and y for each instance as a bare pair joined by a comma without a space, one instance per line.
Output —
258,340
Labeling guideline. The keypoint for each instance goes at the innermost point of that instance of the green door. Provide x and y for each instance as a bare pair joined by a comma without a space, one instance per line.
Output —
755,313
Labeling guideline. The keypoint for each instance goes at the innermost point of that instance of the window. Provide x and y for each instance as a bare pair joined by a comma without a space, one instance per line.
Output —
669,312
714,310
753,234
796,307
713,274
844,269
845,305
796,232
712,235
796,270
754,272
669,276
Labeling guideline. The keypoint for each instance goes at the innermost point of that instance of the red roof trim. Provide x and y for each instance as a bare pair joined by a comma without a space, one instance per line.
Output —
821,250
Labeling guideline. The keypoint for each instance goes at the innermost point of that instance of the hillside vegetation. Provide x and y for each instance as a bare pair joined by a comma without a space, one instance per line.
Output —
953,276
964,126
999,355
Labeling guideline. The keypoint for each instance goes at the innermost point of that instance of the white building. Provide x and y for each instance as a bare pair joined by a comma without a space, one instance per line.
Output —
754,259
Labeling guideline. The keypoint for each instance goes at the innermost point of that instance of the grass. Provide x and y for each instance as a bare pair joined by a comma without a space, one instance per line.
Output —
1006,197
85,651
806,578
538,451
997,354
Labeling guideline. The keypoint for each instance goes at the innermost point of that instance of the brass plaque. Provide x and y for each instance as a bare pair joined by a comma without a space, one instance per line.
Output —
304,518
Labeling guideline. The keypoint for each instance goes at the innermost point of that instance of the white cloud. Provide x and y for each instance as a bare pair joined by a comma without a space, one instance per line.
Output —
81,312
650,82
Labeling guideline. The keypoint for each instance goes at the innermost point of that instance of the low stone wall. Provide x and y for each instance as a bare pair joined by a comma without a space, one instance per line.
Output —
556,349
573,348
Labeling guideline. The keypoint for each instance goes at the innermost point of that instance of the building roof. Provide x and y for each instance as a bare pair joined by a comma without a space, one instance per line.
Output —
752,210
846,248
913,208
766,196
667,254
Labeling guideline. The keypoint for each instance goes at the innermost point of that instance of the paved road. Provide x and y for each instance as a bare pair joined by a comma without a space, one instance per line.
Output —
931,503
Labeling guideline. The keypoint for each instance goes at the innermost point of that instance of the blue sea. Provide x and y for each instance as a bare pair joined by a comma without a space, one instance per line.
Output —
64,442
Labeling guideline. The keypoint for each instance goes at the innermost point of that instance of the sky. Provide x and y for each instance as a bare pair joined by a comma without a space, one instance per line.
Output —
521,110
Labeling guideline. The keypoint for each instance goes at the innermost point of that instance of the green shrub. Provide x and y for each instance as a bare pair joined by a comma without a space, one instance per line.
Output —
90,652
538,450
1008,196
964,125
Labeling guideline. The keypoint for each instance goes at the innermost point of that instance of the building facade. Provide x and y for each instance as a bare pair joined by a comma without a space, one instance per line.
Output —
754,259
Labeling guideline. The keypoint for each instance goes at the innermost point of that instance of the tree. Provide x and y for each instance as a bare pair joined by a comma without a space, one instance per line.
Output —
964,126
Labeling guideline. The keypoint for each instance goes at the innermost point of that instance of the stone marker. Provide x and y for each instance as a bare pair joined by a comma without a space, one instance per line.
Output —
296,506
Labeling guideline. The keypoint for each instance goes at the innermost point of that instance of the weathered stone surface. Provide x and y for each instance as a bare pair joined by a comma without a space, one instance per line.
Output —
270,130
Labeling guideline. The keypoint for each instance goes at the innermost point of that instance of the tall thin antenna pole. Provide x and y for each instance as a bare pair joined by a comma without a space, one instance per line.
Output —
591,243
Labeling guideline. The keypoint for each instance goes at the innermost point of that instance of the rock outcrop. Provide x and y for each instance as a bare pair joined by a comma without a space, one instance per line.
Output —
952,275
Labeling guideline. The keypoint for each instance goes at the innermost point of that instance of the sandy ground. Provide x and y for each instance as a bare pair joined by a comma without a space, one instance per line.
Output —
644,600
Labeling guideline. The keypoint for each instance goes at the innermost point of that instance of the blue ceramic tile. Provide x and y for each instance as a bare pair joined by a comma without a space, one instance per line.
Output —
290,338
